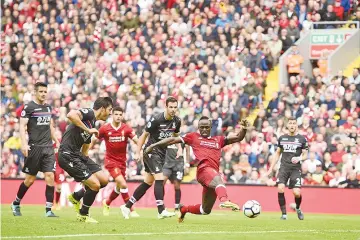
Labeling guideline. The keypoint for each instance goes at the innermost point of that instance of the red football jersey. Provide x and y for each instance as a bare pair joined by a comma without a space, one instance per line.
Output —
115,141
206,150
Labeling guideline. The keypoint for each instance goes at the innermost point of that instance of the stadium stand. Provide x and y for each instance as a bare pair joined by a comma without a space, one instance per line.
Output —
216,57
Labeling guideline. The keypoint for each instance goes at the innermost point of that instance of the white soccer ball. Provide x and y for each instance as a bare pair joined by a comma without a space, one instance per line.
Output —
252,209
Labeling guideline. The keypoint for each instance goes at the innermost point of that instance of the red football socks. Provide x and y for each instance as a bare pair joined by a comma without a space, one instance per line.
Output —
112,197
194,209
221,193
57,196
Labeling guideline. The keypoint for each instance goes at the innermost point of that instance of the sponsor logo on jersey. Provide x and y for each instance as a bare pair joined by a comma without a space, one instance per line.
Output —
117,139
209,144
290,147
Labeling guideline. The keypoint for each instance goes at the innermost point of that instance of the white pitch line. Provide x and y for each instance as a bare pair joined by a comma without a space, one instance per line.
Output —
178,233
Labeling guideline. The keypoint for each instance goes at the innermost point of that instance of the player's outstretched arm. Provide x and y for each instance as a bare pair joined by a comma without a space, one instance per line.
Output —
163,143
233,138
75,117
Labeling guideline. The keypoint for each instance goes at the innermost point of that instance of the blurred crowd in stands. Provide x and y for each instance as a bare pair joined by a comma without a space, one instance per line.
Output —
213,56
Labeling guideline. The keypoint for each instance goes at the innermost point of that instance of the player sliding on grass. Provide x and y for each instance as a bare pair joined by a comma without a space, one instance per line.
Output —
116,135
207,150
293,150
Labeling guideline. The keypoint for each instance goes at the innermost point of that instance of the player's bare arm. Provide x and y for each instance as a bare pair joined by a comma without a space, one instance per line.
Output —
300,158
238,137
274,161
22,130
135,139
187,151
75,117
164,143
180,150
53,135
85,149
140,143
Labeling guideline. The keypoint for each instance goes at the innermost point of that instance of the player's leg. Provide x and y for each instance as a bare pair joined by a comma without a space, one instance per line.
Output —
295,185
57,194
156,164
48,167
49,193
177,189
92,185
177,176
167,172
116,174
138,193
24,186
31,168
208,201
217,183
283,177
122,187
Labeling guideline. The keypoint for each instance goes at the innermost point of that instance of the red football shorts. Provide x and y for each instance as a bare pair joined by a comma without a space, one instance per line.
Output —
205,175
116,169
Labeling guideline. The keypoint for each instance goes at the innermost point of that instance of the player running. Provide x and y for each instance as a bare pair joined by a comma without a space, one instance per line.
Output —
207,150
293,149
74,159
38,150
162,125
174,169
116,135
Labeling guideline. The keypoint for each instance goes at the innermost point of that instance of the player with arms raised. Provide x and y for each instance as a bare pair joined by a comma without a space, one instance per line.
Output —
207,150
160,126
116,135
38,150
293,149
74,159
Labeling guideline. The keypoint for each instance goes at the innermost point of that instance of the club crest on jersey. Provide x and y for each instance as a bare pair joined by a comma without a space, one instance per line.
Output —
174,125
109,133
296,140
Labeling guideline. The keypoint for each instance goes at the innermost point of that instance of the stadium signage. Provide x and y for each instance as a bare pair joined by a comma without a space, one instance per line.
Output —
321,42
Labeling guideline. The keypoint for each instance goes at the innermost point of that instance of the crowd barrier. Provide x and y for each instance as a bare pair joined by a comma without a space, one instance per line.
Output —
315,200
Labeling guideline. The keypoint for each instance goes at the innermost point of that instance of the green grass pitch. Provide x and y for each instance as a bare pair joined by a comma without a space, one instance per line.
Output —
219,225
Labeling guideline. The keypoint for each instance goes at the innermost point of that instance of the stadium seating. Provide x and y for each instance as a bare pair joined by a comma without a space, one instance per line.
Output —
213,56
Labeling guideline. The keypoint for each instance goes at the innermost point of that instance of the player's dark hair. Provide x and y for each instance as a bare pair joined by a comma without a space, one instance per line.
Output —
171,99
205,118
40,84
102,102
118,108
291,119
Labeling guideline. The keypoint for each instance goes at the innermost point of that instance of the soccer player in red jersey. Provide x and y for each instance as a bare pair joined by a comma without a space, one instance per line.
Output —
207,150
116,135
